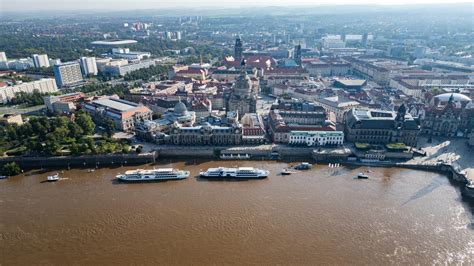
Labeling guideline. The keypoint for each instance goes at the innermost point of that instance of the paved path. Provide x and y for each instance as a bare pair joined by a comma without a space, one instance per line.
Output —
453,151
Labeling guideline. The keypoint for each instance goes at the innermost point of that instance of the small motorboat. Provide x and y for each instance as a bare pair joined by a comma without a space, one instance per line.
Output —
304,166
90,170
53,178
3,177
362,176
287,172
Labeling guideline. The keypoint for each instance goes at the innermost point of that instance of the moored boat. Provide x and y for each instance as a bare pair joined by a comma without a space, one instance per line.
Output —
3,177
303,166
141,175
287,172
53,178
362,176
239,172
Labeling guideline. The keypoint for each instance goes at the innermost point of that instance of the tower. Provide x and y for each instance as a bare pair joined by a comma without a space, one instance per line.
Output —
238,49
243,98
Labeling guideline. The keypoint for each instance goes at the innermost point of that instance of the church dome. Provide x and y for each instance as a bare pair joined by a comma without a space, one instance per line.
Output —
180,109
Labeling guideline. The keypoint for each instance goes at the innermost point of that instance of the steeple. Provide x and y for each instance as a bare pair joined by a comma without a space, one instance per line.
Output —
238,49
297,55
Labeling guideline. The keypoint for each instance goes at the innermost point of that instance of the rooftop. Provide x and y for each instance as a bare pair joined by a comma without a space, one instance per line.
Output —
114,42
119,105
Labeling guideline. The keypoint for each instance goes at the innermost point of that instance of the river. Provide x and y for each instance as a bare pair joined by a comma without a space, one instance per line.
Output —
323,216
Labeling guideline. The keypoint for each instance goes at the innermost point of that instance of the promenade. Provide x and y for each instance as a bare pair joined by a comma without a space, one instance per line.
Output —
455,152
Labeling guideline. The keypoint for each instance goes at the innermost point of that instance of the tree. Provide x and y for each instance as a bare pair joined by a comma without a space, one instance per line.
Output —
109,126
10,169
139,149
85,122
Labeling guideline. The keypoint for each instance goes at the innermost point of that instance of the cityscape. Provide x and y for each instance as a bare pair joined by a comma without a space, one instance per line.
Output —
359,119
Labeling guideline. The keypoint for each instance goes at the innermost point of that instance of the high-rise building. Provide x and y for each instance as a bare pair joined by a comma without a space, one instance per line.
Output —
89,66
3,57
41,60
67,73
168,35
238,49
178,35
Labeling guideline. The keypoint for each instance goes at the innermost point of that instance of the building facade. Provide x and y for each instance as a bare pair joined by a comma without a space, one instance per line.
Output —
381,127
40,60
449,115
125,114
67,74
43,86
316,138
89,66
205,135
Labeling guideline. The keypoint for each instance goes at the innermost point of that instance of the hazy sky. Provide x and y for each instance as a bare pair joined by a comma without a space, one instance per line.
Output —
45,5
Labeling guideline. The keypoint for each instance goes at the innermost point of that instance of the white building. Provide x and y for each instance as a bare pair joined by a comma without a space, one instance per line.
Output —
20,64
316,138
42,86
89,66
41,60
3,57
131,55
67,74
53,62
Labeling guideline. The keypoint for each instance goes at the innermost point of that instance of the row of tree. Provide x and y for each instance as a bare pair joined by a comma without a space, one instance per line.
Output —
146,74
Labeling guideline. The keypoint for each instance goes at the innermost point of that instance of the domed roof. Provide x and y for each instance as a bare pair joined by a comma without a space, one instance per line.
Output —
180,109
457,97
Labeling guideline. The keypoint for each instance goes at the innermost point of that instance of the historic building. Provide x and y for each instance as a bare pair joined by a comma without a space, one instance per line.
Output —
449,115
243,98
316,138
381,127
253,129
205,135
287,116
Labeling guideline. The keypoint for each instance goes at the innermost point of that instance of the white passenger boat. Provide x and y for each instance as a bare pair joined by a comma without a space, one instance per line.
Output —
240,172
140,175
53,178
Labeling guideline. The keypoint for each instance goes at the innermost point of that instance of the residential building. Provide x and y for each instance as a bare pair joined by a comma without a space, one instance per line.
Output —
40,60
67,74
42,86
89,66
380,127
316,138
125,114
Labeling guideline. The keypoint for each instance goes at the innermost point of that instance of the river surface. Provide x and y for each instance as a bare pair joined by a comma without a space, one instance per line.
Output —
321,216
